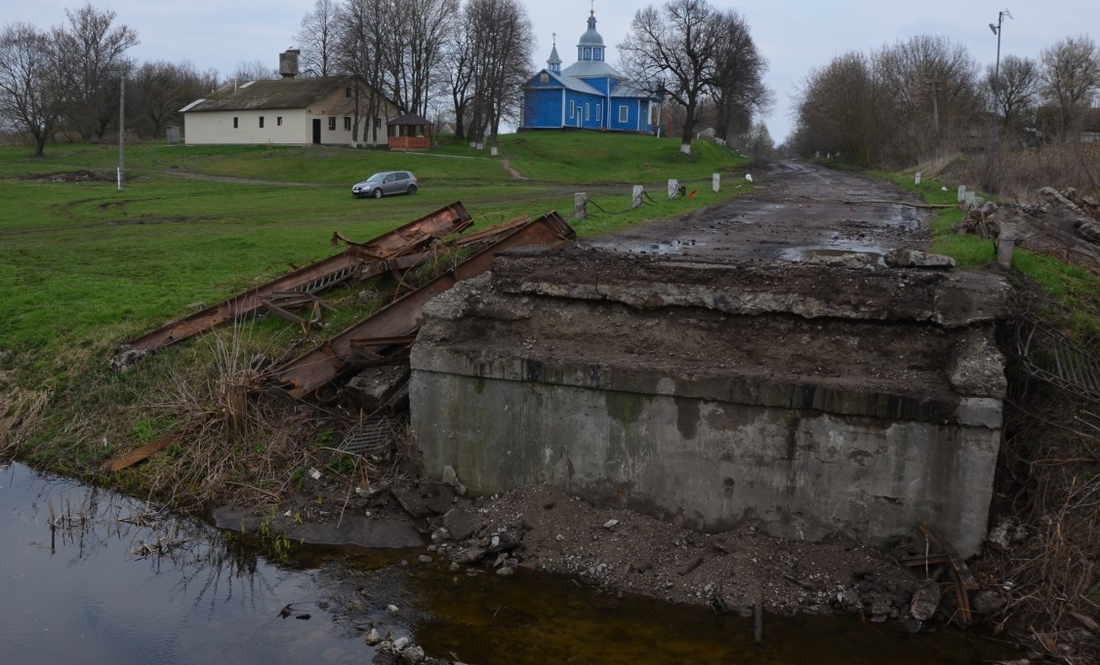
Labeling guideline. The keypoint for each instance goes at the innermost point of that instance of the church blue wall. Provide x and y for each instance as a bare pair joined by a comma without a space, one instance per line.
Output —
542,108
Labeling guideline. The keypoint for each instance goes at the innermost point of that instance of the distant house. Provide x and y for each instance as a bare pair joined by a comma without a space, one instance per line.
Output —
589,94
290,111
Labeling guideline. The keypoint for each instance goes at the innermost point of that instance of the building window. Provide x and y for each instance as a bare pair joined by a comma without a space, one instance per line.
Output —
572,108
586,110
261,122
599,113
597,53
624,113
544,78
279,121
378,123
347,124
235,121
332,124
587,53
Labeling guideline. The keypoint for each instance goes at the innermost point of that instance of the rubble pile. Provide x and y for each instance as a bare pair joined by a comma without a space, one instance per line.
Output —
1062,223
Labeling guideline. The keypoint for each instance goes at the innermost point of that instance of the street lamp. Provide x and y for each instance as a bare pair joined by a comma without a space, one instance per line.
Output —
990,185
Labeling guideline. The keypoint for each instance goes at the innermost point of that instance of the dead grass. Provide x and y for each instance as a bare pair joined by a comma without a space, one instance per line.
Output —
1048,492
1022,172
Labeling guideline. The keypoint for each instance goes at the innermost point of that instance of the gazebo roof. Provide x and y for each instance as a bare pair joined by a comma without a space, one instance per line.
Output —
410,120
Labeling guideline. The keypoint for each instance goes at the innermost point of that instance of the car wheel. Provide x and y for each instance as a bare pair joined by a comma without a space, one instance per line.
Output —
377,193
412,189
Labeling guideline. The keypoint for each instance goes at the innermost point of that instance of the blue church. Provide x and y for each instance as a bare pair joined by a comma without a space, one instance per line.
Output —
589,94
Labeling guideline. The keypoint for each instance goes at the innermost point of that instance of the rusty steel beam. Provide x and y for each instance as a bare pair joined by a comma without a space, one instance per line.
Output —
403,318
316,277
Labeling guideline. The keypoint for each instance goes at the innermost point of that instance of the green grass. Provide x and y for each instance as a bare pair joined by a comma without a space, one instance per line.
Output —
1072,289
84,265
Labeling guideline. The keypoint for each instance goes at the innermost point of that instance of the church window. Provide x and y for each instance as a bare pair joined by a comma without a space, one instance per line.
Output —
624,113
597,53
586,110
572,108
587,53
544,78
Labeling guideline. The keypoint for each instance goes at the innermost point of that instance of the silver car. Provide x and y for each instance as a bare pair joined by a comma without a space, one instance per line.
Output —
386,182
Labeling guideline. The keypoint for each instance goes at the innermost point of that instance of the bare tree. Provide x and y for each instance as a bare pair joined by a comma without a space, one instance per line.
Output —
254,70
842,109
317,38
459,74
672,52
501,38
362,37
161,89
1016,89
94,51
33,85
738,87
1071,78
934,84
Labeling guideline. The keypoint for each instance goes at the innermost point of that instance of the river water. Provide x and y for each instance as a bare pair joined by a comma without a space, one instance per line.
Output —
89,576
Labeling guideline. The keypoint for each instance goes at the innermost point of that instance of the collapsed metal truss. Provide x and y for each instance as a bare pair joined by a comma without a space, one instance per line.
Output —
1047,354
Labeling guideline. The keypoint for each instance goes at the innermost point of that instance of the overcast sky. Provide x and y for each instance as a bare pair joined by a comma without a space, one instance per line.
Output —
794,35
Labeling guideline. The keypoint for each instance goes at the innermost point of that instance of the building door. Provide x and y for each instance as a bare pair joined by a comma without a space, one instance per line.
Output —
316,131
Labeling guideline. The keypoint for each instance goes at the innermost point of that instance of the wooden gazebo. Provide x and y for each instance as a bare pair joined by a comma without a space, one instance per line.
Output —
410,132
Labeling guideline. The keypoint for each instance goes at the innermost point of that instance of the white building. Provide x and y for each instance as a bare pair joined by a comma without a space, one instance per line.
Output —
290,111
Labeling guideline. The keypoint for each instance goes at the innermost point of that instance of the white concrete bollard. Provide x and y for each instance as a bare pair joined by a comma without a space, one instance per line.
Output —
493,151
916,180
580,205
969,200
716,181
962,193
636,198
1006,242
673,188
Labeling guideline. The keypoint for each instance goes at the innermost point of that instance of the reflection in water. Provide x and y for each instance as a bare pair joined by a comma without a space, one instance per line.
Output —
93,577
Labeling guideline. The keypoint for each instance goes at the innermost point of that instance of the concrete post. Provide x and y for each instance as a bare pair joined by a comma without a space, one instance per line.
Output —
962,193
1006,241
493,151
636,198
580,205
969,201
479,145
716,181
673,187
916,180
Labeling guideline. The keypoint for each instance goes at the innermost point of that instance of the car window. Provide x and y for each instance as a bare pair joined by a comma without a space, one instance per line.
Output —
402,176
391,177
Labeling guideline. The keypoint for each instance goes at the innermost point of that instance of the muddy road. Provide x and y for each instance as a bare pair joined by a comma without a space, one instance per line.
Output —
798,212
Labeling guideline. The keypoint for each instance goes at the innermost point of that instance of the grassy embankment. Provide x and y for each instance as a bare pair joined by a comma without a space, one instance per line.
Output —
84,267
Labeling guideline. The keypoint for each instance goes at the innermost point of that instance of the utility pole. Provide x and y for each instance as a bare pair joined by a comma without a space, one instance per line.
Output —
121,121
991,182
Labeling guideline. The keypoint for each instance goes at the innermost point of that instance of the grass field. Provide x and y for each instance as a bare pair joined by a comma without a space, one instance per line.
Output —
82,263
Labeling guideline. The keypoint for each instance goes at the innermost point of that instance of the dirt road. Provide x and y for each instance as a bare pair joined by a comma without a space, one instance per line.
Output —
799,211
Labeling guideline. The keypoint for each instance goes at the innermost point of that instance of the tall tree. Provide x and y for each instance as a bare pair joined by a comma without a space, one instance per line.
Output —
501,39
934,84
689,52
1016,90
1071,78
672,52
317,38
738,86
842,109
161,89
359,52
459,74
94,51
34,88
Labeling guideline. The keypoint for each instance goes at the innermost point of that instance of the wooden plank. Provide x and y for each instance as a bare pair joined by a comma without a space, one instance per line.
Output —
134,456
